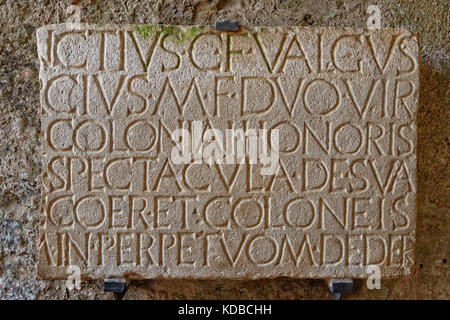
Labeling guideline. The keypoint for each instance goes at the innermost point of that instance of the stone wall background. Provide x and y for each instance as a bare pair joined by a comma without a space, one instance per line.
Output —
20,147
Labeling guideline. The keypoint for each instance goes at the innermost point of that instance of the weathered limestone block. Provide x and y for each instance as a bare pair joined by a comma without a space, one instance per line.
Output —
184,152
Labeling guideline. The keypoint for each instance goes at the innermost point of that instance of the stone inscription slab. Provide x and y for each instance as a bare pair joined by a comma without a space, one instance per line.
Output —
184,152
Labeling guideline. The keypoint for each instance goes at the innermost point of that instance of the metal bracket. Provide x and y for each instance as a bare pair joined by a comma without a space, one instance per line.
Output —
227,25
340,286
117,286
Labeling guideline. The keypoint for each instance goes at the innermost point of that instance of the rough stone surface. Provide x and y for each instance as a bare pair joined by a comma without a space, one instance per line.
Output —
298,156
20,149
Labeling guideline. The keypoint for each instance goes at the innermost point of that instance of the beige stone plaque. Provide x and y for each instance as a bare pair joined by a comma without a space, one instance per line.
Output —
186,152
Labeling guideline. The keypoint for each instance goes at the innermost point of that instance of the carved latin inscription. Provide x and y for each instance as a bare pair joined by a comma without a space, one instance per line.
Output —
340,197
